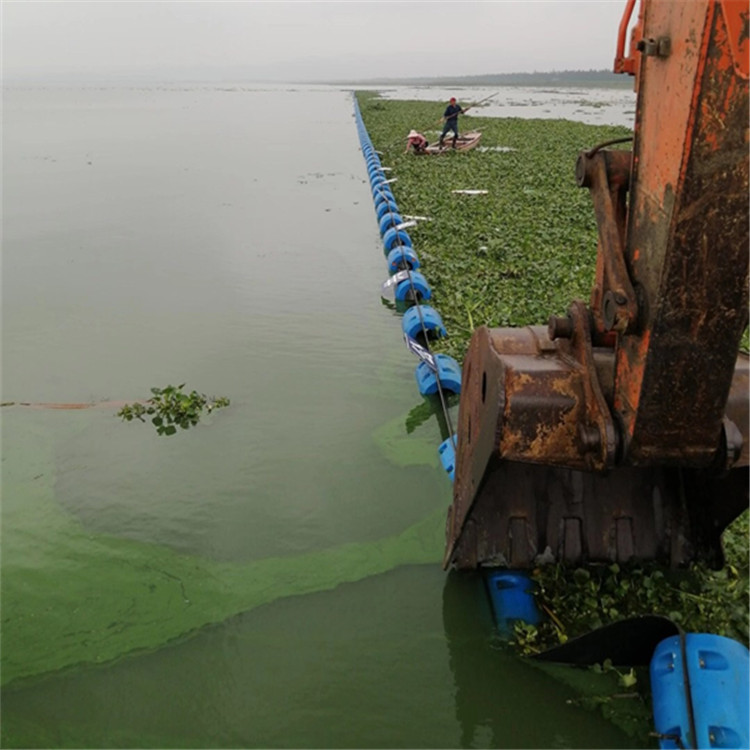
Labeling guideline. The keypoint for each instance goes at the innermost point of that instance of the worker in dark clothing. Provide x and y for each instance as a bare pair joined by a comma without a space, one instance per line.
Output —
452,111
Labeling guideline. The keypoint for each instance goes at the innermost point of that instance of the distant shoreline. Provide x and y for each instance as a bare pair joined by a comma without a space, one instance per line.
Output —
564,78
625,84
599,78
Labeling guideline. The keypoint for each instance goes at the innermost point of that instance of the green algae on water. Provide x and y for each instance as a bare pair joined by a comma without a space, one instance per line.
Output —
403,449
71,597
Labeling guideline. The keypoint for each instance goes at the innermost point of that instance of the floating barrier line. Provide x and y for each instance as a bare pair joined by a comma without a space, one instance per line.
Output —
443,403
415,296
381,189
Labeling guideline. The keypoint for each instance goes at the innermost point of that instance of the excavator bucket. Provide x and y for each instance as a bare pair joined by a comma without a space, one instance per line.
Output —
620,431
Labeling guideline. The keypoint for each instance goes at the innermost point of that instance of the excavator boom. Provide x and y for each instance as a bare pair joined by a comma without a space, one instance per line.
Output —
620,431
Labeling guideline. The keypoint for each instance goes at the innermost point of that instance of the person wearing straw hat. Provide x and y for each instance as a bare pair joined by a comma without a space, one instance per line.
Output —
452,111
416,142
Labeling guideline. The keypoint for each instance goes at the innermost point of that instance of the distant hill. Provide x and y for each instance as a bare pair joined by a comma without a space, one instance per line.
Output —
599,78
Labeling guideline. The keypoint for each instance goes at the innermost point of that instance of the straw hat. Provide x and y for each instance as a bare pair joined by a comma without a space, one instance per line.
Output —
413,134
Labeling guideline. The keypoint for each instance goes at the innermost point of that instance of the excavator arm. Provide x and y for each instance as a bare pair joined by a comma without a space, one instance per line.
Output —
620,431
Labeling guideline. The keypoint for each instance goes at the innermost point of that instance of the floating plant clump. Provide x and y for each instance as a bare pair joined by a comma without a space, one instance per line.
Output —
170,408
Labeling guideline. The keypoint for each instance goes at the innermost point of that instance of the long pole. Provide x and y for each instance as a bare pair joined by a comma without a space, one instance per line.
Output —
476,104
481,101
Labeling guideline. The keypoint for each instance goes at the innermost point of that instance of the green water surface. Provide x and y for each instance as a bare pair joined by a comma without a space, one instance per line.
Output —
270,578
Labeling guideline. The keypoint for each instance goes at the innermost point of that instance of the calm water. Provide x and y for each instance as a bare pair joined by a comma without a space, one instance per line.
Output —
270,578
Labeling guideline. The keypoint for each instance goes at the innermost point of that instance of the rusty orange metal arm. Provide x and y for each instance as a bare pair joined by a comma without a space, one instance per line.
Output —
624,64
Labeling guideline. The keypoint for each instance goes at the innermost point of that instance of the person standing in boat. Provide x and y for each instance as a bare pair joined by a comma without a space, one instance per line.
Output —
416,142
452,111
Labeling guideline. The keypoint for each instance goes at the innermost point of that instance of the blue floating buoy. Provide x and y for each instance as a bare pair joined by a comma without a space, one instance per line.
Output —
434,372
385,207
379,182
413,288
383,194
422,315
395,237
448,373
402,257
707,676
512,599
390,220
447,453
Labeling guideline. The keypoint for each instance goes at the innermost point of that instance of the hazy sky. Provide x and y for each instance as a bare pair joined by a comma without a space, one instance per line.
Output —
283,40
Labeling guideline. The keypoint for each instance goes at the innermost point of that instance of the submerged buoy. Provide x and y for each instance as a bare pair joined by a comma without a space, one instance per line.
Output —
447,453
512,599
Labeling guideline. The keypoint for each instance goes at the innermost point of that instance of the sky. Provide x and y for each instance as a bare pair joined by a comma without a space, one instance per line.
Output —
282,40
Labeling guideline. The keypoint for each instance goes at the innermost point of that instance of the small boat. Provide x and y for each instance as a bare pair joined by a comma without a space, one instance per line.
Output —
465,142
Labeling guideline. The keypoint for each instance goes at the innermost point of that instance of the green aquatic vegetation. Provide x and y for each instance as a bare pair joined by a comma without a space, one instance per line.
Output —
170,408
513,257
698,599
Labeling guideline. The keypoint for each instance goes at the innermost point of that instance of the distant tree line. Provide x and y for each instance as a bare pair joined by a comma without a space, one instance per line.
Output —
603,77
